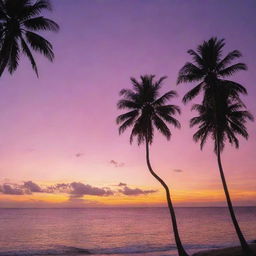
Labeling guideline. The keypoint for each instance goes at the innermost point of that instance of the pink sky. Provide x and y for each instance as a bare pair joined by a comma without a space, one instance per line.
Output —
71,108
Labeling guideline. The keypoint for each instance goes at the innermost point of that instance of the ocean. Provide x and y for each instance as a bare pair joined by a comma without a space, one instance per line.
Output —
118,231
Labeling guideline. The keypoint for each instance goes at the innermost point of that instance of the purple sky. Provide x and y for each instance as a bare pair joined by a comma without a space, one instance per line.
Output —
61,127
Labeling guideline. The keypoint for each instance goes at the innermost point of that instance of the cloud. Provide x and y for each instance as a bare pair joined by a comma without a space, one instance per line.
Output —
74,189
58,188
121,184
177,170
27,188
11,190
32,187
135,191
79,189
116,164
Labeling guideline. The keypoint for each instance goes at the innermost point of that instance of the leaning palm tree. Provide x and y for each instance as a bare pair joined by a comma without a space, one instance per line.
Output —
223,121
19,22
146,111
209,68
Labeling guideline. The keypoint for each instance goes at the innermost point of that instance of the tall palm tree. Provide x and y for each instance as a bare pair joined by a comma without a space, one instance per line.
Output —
146,111
209,68
220,112
19,22
223,121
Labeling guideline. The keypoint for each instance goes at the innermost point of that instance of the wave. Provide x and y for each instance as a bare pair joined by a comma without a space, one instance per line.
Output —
58,250
74,251
133,249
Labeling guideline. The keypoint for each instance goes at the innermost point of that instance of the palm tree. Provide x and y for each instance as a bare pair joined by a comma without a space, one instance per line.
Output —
223,121
19,20
220,112
209,68
146,111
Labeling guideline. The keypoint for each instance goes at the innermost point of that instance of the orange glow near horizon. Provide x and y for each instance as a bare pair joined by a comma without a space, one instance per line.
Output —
180,198
61,127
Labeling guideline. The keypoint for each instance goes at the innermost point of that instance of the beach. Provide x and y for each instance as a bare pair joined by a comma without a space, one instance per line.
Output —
231,251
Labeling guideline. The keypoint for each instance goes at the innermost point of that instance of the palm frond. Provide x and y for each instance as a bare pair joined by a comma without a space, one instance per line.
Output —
16,39
228,59
27,51
163,99
147,111
192,93
161,126
196,57
38,43
231,137
129,122
158,84
32,10
41,23
13,56
123,104
171,120
128,115
233,86
221,122
239,128
168,109
232,69
189,73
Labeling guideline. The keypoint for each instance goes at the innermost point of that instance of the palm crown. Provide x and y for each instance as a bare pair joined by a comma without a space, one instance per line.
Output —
146,109
209,68
224,122
19,20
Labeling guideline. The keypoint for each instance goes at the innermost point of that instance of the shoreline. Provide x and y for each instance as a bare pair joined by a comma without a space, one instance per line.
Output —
229,251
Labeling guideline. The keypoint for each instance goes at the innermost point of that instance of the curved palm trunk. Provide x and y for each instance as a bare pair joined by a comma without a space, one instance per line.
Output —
180,247
246,249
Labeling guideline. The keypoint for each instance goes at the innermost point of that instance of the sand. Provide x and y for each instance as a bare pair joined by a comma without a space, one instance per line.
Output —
231,251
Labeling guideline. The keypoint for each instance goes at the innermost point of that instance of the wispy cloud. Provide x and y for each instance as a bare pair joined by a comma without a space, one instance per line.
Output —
121,184
177,170
135,191
116,164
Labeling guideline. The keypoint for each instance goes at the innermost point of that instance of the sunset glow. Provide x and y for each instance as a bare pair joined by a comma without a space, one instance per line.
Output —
60,128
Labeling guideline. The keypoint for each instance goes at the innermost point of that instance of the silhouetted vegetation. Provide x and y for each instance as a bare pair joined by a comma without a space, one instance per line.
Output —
222,114
19,20
148,110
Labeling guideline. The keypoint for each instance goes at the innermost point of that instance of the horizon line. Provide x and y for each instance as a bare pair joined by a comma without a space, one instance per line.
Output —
107,207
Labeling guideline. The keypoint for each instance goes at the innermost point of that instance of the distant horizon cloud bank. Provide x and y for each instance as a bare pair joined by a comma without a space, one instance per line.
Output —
30,194
73,189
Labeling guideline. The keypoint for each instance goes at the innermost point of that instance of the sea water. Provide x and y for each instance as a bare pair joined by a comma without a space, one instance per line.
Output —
118,231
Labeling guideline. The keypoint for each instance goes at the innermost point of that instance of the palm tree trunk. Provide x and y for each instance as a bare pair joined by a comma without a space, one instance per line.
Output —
180,247
246,249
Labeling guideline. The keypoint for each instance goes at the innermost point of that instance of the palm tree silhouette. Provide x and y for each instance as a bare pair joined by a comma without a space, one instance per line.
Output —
208,68
148,111
223,121
19,20
220,113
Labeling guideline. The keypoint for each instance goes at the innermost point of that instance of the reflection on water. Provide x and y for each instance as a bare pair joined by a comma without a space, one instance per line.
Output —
117,231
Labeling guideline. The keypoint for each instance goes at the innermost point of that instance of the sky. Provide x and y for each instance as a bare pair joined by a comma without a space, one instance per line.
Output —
59,143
